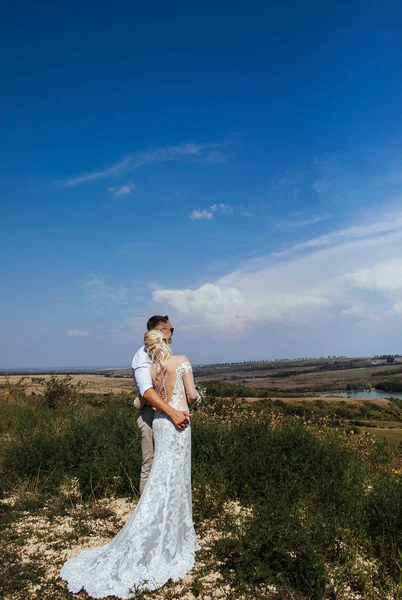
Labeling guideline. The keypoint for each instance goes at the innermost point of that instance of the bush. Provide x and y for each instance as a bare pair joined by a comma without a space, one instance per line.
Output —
385,521
100,447
60,392
309,499
14,393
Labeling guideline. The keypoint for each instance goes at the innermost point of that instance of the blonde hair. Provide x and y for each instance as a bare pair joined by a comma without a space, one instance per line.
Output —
158,349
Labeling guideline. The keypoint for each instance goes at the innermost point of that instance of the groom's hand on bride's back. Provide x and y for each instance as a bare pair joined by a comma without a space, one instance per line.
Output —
179,417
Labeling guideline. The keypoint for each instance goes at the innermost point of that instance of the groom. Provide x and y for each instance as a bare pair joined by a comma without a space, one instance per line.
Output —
150,399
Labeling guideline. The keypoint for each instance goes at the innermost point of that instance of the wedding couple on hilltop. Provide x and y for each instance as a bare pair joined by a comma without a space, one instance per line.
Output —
158,541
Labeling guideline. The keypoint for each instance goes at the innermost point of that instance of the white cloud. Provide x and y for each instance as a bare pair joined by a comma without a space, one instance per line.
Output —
201,214
78,333
383,276
142,159
116,169
225,208
351,273
321,185
208,214
359,311
327,174
180,193
113,330
391,222
223,306
126,248
213,157
395,311
292,223
310,221
123,190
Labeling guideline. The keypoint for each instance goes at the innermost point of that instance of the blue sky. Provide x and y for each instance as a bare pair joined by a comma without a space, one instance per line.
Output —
235,165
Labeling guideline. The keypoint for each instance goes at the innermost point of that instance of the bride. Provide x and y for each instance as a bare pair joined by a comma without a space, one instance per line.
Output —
158,541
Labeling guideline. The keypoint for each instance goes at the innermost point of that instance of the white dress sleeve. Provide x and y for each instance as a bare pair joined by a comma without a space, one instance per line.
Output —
188,380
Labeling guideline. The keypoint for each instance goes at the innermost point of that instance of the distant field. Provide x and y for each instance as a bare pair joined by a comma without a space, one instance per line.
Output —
314,379
304,375
94,384
293,376
300,400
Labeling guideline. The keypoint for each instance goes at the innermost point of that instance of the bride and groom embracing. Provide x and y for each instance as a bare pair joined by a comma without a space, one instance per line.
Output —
158,541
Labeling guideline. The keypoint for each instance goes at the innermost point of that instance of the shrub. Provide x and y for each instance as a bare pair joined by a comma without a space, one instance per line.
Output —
13,392
61,392
309,497
98,446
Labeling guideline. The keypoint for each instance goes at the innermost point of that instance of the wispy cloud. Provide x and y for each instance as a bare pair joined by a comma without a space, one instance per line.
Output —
289,224
327,172
213,157
224,208
390,222
101,294
142,159
310,221
131,247
321,185
122,190
78,333
116,169
180,193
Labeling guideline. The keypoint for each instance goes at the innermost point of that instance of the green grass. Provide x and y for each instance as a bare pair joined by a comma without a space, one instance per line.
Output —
316,498
393,436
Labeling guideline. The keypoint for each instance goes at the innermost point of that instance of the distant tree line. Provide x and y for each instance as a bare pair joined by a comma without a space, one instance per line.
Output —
395,385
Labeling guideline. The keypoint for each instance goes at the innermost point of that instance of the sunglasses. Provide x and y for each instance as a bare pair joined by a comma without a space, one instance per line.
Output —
171,329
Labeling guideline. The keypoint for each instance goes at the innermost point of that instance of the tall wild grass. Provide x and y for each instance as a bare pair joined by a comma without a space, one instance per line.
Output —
317,501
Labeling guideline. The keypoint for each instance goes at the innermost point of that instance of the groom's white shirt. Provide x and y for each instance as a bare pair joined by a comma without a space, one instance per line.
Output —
141,370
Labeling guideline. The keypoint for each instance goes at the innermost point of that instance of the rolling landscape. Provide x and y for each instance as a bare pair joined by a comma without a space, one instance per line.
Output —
359,387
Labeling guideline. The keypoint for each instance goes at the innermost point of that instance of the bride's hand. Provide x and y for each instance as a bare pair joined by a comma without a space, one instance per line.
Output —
180,418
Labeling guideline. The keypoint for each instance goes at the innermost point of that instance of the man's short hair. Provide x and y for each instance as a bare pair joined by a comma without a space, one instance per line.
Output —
155,320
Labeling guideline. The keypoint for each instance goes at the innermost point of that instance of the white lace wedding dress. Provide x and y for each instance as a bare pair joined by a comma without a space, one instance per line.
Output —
158,541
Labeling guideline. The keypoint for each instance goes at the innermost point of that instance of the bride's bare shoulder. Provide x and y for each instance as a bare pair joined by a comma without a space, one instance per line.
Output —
176,360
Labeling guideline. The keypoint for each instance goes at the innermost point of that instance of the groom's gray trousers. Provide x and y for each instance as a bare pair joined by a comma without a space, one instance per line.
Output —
145,417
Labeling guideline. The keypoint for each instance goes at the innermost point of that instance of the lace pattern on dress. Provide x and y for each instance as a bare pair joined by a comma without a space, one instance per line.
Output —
158,541
179,392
